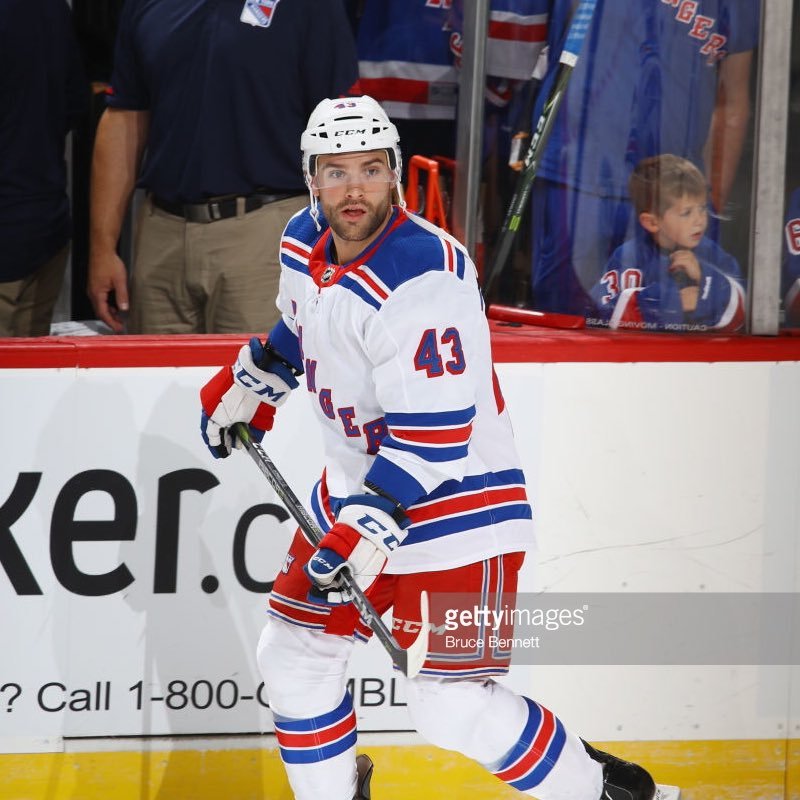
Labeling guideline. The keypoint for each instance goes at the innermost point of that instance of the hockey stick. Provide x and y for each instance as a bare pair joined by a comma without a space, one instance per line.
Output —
409,661
544,319
525,116
579,26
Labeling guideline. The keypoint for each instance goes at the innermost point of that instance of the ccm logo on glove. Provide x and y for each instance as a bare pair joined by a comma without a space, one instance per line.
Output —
271,384
244,393
367,529
374,527
322,562
248,381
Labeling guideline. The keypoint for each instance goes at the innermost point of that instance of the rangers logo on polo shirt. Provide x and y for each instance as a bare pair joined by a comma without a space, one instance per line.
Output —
259,12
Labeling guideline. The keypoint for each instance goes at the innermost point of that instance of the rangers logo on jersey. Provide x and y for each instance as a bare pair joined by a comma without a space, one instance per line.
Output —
259,12
287,563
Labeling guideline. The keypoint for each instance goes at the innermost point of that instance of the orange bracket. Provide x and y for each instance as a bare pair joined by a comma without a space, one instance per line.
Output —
434,206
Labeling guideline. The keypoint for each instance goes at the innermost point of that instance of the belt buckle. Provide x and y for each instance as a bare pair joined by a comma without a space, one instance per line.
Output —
203,213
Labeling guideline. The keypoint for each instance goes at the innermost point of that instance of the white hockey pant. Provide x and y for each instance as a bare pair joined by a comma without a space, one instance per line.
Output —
304,673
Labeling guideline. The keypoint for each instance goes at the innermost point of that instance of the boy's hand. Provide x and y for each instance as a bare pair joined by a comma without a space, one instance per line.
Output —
685,270
685,261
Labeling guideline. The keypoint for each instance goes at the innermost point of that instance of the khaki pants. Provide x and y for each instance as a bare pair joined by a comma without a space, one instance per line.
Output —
26,305
215,277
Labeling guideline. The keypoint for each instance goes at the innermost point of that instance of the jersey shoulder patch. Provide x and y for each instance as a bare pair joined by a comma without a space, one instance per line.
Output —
298,240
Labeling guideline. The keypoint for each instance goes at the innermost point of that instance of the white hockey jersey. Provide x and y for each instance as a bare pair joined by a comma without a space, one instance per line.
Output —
396,351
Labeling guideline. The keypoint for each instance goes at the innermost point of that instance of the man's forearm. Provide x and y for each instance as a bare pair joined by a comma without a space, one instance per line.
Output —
728,126
729,133
119,143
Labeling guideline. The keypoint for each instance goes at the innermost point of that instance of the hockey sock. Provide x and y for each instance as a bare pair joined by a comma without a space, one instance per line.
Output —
536,751
319,753
547,761
517,739
304,673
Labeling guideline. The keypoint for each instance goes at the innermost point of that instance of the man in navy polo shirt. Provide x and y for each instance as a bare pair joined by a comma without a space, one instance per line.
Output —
43,93
207,105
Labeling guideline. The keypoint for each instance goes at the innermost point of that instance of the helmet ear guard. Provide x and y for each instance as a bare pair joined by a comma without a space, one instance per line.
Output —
349,125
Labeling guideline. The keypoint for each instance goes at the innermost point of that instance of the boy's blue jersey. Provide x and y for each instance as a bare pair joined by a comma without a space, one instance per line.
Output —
638,291
790,276
405,59
645,83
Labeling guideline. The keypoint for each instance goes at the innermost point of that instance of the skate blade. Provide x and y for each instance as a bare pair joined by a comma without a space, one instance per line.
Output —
667,792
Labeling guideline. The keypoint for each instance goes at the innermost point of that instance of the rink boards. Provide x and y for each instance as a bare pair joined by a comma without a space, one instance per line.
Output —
655,465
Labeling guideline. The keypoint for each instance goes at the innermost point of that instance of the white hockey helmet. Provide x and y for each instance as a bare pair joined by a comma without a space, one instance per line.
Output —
349,125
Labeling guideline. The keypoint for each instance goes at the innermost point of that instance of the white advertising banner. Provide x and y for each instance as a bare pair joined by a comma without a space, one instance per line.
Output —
134,568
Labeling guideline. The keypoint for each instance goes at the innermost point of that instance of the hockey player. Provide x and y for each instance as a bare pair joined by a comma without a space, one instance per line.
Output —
422,488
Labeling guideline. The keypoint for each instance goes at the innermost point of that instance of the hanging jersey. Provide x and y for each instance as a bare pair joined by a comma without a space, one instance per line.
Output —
516,35
637,291
790,278
405,60
396,351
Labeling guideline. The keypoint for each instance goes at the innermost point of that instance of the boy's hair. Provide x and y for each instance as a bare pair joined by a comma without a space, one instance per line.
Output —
659,181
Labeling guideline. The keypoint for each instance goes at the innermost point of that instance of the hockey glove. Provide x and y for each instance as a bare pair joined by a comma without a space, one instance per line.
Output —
367,529
250,391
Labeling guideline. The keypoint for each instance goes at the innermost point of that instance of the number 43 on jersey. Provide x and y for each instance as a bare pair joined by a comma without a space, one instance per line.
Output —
437,353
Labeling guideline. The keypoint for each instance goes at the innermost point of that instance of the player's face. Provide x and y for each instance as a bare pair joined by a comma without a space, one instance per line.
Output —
682,225
355,192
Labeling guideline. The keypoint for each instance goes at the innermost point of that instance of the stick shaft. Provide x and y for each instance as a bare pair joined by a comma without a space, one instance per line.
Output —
368,613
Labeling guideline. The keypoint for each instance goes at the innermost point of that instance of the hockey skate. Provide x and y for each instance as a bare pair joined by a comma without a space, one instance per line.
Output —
364,767
623,780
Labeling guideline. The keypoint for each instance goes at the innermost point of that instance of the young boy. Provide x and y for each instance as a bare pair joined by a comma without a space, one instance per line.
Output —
670,276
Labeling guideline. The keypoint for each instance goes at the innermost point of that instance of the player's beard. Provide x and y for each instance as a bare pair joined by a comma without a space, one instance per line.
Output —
375,216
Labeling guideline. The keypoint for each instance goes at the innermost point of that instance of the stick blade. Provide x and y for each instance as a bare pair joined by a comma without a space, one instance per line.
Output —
416,654
667,792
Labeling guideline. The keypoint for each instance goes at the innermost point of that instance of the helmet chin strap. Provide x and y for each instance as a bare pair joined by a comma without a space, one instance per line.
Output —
314,210
401,200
